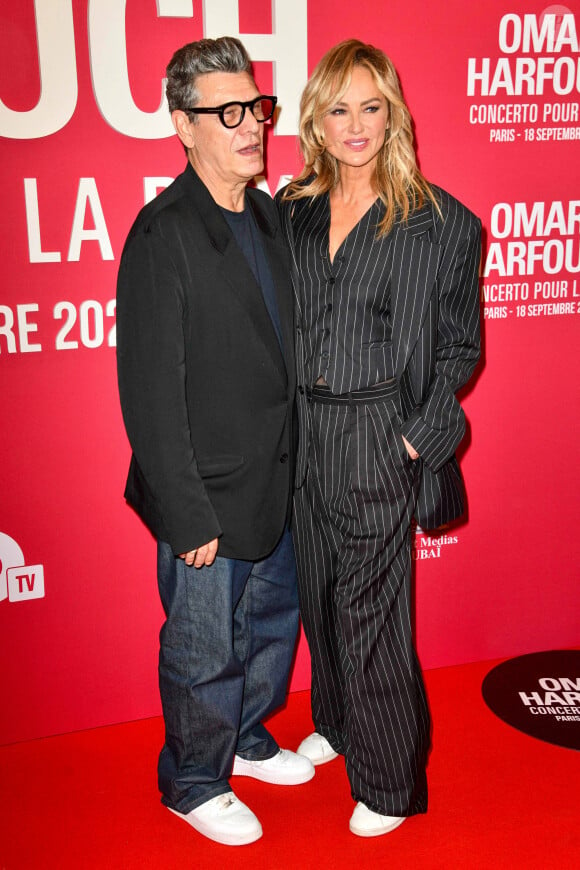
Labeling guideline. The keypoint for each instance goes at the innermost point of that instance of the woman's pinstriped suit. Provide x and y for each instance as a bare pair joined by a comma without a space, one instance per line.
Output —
392,326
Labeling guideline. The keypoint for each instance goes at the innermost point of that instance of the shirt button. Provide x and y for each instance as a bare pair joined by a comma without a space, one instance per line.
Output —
284,458
329,306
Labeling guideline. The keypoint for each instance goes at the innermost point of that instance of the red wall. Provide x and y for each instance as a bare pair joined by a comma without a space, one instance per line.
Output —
80,650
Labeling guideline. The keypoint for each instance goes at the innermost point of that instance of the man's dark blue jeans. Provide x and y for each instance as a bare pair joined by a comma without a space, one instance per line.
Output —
225,654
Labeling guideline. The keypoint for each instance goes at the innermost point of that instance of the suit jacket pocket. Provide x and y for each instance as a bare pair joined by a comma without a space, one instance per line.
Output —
376,361
441,496
219,465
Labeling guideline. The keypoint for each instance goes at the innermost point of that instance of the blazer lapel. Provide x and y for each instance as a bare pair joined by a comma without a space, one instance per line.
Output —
278,258
415,262
235,269
286,218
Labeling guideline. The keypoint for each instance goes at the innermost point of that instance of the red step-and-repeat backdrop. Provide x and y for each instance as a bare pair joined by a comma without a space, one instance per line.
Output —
494,89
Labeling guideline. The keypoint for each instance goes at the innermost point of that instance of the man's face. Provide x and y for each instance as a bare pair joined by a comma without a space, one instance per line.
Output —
224,158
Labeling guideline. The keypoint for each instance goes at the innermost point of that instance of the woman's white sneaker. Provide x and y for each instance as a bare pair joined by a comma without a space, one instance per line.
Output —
317,749
366,823
224,819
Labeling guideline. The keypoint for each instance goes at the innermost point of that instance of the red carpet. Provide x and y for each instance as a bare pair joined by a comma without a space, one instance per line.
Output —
497,799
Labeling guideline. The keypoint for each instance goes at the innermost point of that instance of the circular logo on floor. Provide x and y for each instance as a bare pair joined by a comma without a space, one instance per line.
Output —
538,694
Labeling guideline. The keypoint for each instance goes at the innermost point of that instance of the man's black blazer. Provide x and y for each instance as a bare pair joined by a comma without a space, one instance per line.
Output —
206,391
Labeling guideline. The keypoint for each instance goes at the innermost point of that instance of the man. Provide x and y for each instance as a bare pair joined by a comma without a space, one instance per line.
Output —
206,379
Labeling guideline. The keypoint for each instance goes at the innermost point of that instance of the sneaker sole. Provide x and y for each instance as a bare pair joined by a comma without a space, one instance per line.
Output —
375,832
321,759
223,838
240,769
329,754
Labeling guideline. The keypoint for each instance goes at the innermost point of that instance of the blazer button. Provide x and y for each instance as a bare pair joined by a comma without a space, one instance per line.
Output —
284,458
301,390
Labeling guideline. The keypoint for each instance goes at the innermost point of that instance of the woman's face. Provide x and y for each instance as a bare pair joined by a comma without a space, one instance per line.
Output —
355,126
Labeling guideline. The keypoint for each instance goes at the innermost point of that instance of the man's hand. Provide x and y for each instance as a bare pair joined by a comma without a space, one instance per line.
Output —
410,450
202,556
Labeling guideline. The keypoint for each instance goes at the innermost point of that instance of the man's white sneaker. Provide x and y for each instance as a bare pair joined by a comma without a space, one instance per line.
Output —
317,749
284,768
224,819
366,823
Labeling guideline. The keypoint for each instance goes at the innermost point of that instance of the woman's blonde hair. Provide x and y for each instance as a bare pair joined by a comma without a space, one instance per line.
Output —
398,180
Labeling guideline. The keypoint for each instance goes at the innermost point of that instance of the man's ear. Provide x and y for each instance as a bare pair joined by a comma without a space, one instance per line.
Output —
183,127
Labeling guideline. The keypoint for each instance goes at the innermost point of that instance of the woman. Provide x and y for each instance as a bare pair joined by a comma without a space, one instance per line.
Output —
385,273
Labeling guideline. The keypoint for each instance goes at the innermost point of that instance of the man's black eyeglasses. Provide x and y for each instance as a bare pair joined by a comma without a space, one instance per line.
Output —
232,114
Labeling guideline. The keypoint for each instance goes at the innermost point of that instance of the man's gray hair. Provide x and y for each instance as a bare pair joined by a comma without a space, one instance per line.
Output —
225,54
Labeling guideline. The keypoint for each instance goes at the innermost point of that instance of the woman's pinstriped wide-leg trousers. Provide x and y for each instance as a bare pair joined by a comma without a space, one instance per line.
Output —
352,535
